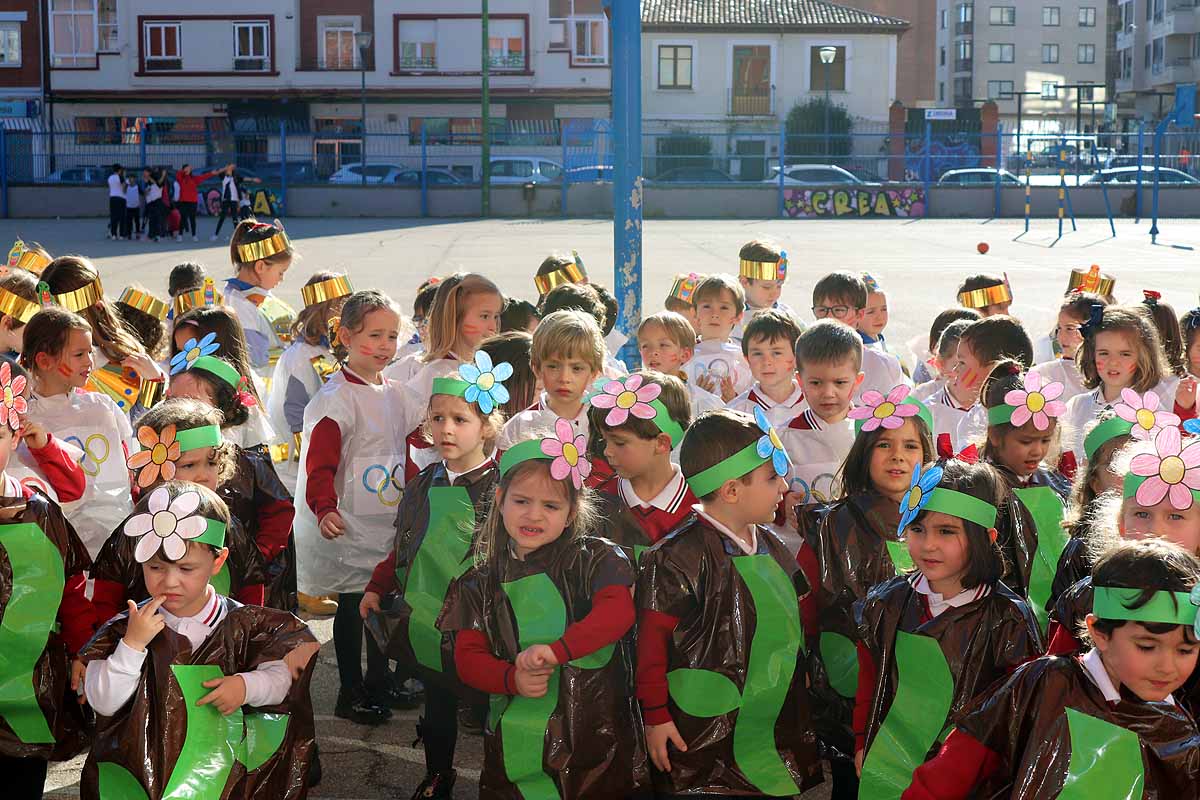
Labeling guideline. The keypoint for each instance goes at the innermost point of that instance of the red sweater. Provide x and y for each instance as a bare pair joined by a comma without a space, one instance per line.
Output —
62,472
653,643
321,464
188,185
962,764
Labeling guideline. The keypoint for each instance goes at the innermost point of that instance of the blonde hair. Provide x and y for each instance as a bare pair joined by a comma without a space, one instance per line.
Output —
569,334
448,309
69,273
676,326
714,284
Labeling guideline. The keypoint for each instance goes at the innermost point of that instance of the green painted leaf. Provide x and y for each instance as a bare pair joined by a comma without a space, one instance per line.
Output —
1047,510
703,693
264,734
901,559
840,656
116,783
1106,760
440,559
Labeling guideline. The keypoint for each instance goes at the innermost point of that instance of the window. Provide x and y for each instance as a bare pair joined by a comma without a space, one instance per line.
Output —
1049,54
1000,53
106,25
1159,47
1050,16
506,44
999,89
1002,15
1087,16
674,66
1158,10
963,49
1049,90
966,12
72,33
941,92
941,56
337,46
10,44
816,70
251,47
1087,54
561,20
1086,93
1146,61
589,40
962,89
162,46
1196,45
418,44
942,19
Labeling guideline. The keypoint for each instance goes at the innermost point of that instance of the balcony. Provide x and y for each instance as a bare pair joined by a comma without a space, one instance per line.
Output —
1177,70
1125,39
321,64
1180,19
748,102
964,28
507,62
963,64
417,64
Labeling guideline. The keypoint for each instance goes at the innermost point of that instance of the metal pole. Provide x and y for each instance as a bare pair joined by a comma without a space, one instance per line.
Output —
424,173
1158,135
282,167
999,147
485,115
627,168
782,165
362,161
1028,188
1062,181
1020,97
562,200
826,64
1140,144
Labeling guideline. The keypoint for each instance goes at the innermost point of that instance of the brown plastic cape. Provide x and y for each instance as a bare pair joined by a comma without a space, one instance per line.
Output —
61,716
1016,536
145,746
692,575
1033,719
1072,606
620,525
981,641
391,627
590,738
1073,566
253,482
850,540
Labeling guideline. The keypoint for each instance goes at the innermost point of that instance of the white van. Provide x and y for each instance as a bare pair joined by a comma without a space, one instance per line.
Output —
525,169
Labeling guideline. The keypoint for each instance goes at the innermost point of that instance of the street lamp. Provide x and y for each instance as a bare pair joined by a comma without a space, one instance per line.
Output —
362,40
828,56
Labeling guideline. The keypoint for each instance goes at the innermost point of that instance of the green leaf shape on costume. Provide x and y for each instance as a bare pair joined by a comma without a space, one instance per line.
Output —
638,549
222,582
1047,510
924,692
1106,760
702,692
840,656
28,619
211,743
264,734
115,783
440,559
898,553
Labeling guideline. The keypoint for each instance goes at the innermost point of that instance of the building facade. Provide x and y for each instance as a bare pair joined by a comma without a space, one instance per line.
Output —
1157,48
21,62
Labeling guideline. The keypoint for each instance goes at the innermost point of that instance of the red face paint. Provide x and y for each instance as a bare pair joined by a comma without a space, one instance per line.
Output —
64,370
366,351
471,330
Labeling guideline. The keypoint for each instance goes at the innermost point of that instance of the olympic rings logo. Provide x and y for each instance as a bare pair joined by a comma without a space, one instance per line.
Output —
810,491
36,483
386,484
97,457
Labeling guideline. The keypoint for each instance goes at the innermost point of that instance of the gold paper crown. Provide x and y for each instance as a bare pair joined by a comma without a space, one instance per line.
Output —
988,296
21,257
764,270
144,302
256,251
17,307
203,297
81,298
571,273
1091,281
330,289
684,287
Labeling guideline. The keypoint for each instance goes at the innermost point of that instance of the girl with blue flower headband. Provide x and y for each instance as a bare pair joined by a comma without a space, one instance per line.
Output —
934,638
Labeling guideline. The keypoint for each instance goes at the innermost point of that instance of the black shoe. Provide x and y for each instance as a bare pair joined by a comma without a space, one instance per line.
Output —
354,706
391,696
436,786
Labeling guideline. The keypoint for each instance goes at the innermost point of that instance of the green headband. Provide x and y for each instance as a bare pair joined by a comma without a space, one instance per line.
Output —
222,369
454,387
740,463
666,423
662,417
998,415
1105,432
1109,602
519,453
195,438
961,505
214,533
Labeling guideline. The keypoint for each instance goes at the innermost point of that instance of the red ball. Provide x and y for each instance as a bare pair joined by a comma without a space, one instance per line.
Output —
982,247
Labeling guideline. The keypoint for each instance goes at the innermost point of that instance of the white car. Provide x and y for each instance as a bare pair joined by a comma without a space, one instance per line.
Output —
519,170
376,173
1130,175
814,175
979,176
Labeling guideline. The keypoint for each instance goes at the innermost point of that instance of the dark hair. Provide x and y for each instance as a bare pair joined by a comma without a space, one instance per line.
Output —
186,413
22,284
249,231
829,341
424,298
1004,378
1189,325
149,329
554,262
1151,363
759,250
996,337
354,315
312,323
516,348
211,507
1151,565
574,297
947,343
856,469
985,562
848,287
713,437
611,309
225,397
222,321
517,315
1082,506
769,325
48,332
1079,304
980,280
674,397
68,273
185,277
943,320
1162,317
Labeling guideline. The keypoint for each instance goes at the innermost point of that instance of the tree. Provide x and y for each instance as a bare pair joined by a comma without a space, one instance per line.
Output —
807,140
680,148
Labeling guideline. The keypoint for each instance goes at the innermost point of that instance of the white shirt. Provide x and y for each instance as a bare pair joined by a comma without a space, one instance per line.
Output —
1064,371
947,414
452,476
153,192
739,329
538,421
747,549
817,450
778,414
926,390
111,682
939,603
1094,666
666,500
1083,408
719,360
116,185
133,196
701,400
881,372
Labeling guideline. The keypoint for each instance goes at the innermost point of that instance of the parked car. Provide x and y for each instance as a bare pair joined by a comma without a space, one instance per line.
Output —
814,175
693,175
1130,175
519,170
84,175
297,171
981,176
433,177
594,174
375,172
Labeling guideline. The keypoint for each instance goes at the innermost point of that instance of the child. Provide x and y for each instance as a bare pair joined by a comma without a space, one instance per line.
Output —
843,296
519,315
769,344
875,315
1190,328
557,269
934,638
981,345
409,357
718,365
351,480
568,357
261,255
1162,317
18,303
1064,369
715,596
29,256
990,295
928,374
203,296
584,297
829,362
680,298
762,271
514,348
540,623
850,546
57,351
191,654
1106,718
144,314
666,342
949,397
41,461
185,277
1090,283
441,508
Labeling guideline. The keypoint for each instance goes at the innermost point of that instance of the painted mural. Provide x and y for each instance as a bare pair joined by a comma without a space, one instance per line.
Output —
903,201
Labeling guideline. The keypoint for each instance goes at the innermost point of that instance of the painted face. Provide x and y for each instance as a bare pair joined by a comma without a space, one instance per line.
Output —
1116,360
716,314
480,319
566,379
75,361
661,352
892,460
1151,665
772,362
875,315
1022,449
758,499
186,384
938,546
183,583
455,427
1067,333
760,293
969,374
198,466
270,274
373,345
829,387
1163,521
630,455
535,510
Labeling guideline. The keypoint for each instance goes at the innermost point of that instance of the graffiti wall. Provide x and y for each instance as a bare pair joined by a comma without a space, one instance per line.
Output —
902,201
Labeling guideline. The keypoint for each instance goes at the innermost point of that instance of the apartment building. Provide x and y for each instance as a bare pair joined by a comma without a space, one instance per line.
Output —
1157,48
20,61
991,49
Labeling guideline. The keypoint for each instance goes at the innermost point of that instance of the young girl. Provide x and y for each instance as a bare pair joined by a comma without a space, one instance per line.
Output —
145,315
18,303
540,624
122,366
934,638
57,351
351,481
1064,368
850,546
1190,330
1105,722
982,344
261,255
441,506
191,654
1121,350
1162,317
514,348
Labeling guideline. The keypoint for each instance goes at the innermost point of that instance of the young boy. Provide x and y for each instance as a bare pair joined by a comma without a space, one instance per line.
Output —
843,296
667,341
990,295
567,358
716,596
191,654
875,315
682,293
926,351
557,269
769,345
718,365
949,399
586,298
829,359
762,270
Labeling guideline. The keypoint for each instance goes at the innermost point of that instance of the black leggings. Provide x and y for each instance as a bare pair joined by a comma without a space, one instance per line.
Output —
132,222
23,777
845,779
156,212
116,215
439,727
229,208
187,217
347,644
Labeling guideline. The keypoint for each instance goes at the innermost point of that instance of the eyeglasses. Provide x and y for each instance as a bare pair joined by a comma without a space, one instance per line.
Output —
837,312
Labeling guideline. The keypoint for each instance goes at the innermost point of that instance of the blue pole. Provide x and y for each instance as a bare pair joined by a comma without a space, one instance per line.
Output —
3,173
1141,136
562,201
1158,135
999,161
142,147
627,168
283,166
927,164
424,171
1104,188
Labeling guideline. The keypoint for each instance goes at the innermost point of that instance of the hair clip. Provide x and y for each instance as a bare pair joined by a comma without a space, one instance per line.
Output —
244,395
871,283
44,295
945,451
1095,318
1193,319
1151,297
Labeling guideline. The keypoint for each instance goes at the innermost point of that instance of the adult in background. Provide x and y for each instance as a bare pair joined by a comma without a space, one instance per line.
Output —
189,195
116,201
231,195
155,208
